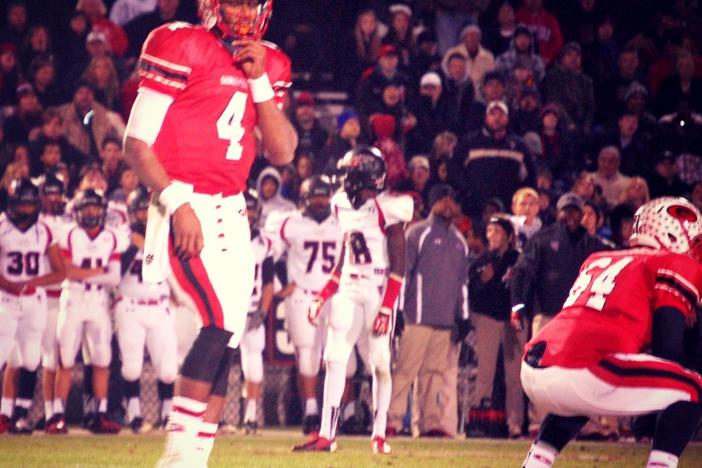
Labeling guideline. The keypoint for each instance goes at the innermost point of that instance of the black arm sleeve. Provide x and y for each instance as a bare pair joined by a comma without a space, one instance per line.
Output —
281,271
127,258
267,271
667,334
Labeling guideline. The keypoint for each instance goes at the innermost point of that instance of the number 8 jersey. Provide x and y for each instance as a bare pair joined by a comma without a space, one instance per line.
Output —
207,136
22,254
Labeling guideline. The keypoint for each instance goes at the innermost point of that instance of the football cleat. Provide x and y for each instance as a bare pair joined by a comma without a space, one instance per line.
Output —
316,444
250,427
310,424
56,424
139,426
21,426
378,445
4,423
102,424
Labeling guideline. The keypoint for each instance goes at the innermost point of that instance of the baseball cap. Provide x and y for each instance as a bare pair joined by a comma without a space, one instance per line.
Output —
569,199
387,49
419,161
470,28
24,89
504,223
96,36
431,79
344,117
400,8
499,104
440,191
305,98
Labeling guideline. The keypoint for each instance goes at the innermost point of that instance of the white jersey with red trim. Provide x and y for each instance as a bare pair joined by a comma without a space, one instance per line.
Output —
57,225
132,284
86,252
23,253
263,249
364,230
312,249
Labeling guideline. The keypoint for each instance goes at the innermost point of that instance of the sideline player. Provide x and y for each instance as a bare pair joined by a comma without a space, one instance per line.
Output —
191,138
254,339
368,279
92,258
29,261
142,318
590,360
310,238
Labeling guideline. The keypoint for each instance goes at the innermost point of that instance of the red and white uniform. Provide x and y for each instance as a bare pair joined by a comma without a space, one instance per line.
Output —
593,362
206,142
312,249
84,305
23,318
143,318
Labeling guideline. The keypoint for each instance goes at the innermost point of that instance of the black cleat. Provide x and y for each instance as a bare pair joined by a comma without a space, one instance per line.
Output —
250,427
102,424
56,424
21,426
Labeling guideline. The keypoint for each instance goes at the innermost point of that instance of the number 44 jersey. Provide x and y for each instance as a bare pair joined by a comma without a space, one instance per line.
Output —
610,306
364,230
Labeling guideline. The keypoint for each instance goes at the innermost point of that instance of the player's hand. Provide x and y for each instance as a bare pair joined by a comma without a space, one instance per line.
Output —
188,241
286,291
138,240
255,320
314,311
250,55
381,324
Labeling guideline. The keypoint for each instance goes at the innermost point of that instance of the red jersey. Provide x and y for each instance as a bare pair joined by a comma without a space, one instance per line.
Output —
207,137
610,306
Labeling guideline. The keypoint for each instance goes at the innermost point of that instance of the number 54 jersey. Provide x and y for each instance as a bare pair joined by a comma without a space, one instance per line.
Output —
610,306
364,230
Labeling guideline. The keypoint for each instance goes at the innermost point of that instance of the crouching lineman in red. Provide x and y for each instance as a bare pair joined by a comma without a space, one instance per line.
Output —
191,137
590,361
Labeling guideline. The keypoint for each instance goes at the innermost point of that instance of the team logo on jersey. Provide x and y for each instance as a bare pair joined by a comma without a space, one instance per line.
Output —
149,259
230,80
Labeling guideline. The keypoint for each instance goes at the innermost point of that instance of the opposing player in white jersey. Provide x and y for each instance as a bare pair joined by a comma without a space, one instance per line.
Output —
254,339
310,239
29,260
368,279
142,318
92,259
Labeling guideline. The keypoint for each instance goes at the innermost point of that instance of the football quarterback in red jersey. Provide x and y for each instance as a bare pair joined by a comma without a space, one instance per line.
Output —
615,348
204,90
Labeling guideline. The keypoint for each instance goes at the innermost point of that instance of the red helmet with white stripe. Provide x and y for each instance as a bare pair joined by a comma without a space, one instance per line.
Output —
669,223
241,26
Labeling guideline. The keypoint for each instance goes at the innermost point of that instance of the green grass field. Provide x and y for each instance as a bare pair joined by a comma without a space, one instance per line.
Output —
272,449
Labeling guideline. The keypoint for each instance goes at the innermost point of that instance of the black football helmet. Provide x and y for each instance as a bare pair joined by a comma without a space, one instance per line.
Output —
53,195
361,168
138,201
87,198
318,209
23,203
253,206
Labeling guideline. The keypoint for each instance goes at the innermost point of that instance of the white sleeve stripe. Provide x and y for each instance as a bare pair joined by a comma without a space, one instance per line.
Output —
147,115
165,63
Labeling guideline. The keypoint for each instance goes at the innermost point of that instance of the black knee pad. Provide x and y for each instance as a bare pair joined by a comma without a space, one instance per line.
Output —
207,350
165,390
221,382
26,381
557,431
132,388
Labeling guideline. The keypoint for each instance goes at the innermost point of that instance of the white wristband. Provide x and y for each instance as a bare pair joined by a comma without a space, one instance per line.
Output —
261,89
173,196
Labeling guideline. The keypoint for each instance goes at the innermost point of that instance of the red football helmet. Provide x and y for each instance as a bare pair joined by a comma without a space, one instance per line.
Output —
669,223
211,15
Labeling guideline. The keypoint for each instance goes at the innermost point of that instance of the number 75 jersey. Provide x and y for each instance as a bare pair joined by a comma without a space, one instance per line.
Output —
610,306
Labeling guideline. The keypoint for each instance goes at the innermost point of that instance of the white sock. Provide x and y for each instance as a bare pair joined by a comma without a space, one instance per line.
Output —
58,406
349,411
133,408
334,383
102,405
382,381
205,442
250,415
6,406
88,404
23,403
48,409
166,409
184,425
311,407
541,455
660,459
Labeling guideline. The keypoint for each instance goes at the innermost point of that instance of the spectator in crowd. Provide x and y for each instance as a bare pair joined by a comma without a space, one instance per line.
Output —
665,62
491,162
488,291
665,181
87,122
444,145
392,102
601,61
683,83
49,157
383,127
451,16
525,214
375,79
622,223
72,49
636,193
111,158
400,33
432,111
493,88
635,152
608,177
521,51
139,27
96,46
561,153
427,58
545,28
527,114
51,130
96,12
16,23
364,41
268,187
636,102
594,222
348,125
128,182
311,136
435,312
418,181
479,59
102,75
42,77
26,118
10,74
611,89
546,269
682,134
458,89
37,43
499,37
566,84
123,11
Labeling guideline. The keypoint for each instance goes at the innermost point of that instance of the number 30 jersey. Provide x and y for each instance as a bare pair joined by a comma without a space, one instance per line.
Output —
23,254
610,306
207,137
364,230
311,247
